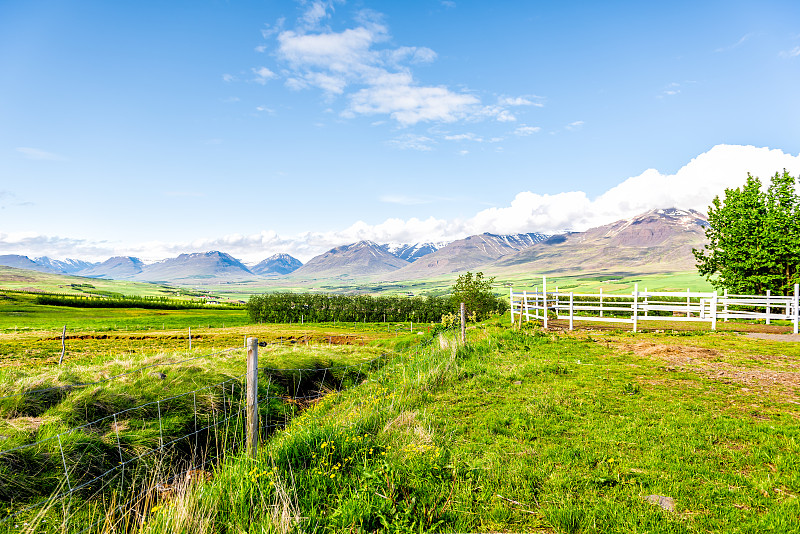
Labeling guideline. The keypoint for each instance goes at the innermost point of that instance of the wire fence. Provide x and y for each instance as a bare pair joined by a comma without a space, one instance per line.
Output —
124,452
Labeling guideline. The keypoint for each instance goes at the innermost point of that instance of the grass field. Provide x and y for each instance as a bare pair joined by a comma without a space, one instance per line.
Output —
534,432
519,430
621,282
25,280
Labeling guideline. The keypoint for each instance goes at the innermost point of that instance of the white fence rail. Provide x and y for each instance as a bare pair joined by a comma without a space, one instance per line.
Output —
652,306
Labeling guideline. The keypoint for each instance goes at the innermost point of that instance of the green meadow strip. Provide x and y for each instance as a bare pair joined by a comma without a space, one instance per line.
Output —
517,431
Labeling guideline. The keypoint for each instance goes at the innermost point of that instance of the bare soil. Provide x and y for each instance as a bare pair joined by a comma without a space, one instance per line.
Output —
707,362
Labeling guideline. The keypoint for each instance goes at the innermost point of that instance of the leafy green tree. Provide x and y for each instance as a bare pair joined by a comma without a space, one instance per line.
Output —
476,294
753,237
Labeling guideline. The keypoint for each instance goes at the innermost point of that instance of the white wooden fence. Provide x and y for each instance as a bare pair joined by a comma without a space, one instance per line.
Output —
652,306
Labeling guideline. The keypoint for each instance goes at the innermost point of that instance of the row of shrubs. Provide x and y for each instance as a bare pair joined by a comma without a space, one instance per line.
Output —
318,308
153,303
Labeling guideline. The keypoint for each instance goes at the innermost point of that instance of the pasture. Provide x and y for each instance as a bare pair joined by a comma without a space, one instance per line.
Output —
518,430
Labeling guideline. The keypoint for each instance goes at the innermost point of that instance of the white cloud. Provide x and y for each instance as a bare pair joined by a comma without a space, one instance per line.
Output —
521,101
413,142
527,130
35,153
35,245
270,30
505,116
263,74
744,38
409,104
577,125
375,78
464,137
316,12
693,186
794,52
410,53
404,200
228,78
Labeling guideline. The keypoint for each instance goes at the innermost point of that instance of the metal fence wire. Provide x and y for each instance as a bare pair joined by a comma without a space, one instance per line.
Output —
71,456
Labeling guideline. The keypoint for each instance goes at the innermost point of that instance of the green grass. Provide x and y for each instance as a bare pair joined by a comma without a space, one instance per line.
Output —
25,280
518,431
31,473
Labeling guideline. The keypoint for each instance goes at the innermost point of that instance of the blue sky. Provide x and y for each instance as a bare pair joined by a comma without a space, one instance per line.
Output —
153,128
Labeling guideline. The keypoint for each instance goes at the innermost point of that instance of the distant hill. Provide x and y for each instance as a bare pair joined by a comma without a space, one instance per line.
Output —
465,254
116,268
658,240
357,260
276,264
24,262
412,253
197,266
67,266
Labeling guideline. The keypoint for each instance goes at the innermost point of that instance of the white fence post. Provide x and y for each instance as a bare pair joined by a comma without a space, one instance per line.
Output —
796,306
769,310
725,296
645,302
544,290
556,303
714,311
688,303
601,302
635,307
524,306
571,309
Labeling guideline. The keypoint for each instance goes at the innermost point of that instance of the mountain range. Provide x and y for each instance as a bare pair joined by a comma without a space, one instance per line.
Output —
655,240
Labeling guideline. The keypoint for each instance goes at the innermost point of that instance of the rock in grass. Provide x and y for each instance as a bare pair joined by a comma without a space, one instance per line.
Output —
667,503
160,376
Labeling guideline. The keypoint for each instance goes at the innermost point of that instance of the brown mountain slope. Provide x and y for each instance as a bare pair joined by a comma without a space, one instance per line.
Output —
656,241
360,259
465,254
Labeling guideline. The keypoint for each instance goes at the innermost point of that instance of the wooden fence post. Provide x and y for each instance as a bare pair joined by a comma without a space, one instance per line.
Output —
252,397
511,302
63,344
463,324
190,338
